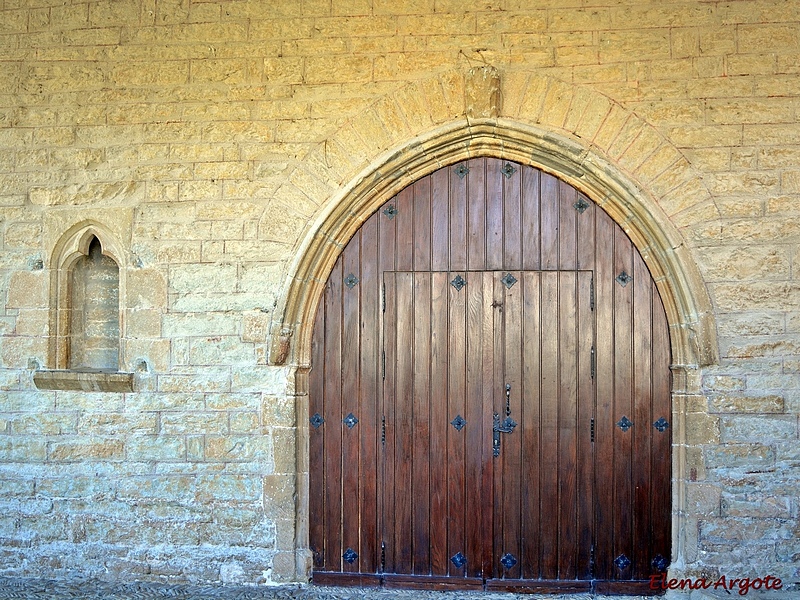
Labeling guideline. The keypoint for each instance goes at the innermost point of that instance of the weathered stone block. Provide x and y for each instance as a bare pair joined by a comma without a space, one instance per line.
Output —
758,428
253,448
22,449
750,456
85,449
746,404
155,447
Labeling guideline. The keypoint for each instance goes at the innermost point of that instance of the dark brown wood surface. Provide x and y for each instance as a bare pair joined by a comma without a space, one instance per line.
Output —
406,352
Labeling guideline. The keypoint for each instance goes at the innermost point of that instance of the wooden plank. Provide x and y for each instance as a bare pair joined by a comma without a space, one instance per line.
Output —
403,411
549,211
369,288
550,382
661,458
494,214
567,227
627,588
404,223
346,579
387,236
585,446
530,424
494,396
512,220
440,220
333,420
440,461
415,582
389,375
457,225
531,219
538,586
567,425
316,440
457,440
623,404
351,383
476,378
492,381
604,285
476,215
642,409
420,418
422,224
511,313
585,235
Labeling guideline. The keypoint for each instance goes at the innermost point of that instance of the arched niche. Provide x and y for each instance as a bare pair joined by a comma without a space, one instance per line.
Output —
86,317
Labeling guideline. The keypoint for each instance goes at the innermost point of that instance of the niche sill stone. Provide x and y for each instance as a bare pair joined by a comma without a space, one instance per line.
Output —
89,380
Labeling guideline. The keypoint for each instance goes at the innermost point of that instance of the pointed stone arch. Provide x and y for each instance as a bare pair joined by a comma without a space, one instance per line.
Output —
584,138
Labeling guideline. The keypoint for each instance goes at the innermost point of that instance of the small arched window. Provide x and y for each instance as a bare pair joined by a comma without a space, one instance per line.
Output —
94,308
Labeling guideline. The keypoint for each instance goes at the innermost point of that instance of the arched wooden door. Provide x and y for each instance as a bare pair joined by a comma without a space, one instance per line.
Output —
490,394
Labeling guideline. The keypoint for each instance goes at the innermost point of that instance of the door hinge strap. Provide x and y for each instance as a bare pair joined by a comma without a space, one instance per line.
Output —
383,429
383,364
593,362
383,298
591,294
591,430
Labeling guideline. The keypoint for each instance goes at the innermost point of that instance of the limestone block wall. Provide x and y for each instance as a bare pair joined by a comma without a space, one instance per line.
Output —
214,145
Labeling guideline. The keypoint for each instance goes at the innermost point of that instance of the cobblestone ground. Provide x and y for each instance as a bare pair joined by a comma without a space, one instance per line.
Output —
24,589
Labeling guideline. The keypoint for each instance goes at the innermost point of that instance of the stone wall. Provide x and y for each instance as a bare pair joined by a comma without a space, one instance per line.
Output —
210,145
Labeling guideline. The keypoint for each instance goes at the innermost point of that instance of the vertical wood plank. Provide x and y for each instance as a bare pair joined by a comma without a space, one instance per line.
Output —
549,221
440,220
476,215
459,403
511,312
333,419
548,476
642,409
403,419
420,418
422,224
531,423
567,425
404,223
316,439
476,379
492,381
604,384
623,404
441,430
389,417
494,214
494,396
531,219
567,227
351,376
457,225
586,412
369,288
585,236
661,458
512,220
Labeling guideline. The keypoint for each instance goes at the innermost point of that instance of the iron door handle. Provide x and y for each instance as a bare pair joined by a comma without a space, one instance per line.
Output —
506,426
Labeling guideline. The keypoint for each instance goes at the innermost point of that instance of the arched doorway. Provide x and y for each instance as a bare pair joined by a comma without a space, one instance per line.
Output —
489,394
